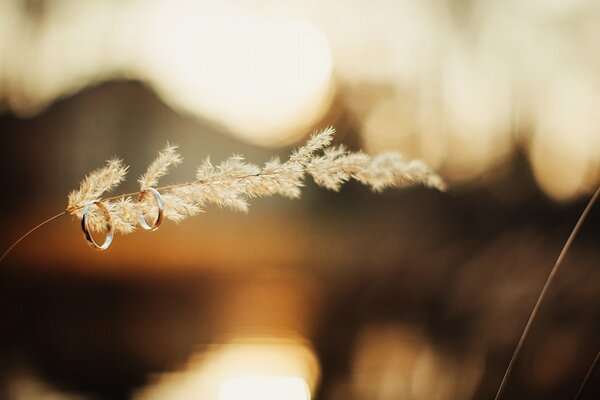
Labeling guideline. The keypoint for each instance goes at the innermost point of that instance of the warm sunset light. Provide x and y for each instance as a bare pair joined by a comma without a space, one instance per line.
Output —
248,368
265,388
264,78
299,200
412,79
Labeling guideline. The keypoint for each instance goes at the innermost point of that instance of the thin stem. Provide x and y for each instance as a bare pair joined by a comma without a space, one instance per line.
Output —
587,377
549,280
120,196
28,233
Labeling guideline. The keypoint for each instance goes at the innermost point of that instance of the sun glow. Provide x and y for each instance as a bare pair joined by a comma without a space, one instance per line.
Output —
263,78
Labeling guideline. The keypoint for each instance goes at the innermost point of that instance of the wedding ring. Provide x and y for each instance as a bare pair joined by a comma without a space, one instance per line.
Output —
110,231
160,205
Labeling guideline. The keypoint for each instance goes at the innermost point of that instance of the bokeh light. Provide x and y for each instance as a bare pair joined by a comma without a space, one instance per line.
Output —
405,294
266,79
396,361
460,85
264,388
245,368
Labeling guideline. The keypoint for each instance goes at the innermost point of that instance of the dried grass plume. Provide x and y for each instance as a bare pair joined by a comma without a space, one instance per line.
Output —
234,181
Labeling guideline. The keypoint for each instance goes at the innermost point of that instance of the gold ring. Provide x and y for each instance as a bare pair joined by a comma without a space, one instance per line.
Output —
110,231
160,205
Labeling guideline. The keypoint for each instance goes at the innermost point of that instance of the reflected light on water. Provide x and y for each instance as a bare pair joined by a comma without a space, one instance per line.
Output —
265,388
251,368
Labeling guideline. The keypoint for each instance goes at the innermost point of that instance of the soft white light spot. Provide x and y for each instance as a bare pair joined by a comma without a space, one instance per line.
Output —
263,78
265,388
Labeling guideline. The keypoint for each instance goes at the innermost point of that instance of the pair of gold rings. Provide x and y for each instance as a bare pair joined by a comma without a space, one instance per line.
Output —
110,229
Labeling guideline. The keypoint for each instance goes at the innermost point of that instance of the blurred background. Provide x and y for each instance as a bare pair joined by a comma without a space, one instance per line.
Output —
409,294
